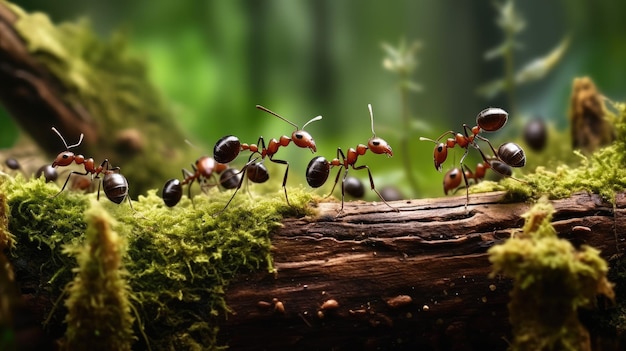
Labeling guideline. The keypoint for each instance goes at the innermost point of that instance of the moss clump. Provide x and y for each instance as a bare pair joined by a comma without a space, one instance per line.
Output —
603,172
551,281
179,260
99,312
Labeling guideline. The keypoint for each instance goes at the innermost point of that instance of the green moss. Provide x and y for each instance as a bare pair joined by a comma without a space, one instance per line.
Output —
552,280
179,259
99,313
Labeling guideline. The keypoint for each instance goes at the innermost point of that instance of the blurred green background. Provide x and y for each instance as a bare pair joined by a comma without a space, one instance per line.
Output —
214,61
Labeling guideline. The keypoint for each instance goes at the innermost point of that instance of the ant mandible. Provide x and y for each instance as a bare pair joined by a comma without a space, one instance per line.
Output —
319,167
114,184
228,148
204,169
490,120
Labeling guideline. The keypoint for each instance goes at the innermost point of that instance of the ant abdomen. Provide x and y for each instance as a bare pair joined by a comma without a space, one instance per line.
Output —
501,168
491,119
115,187
230,178
452,180
172,192
317,171
512,154
257,173
226,149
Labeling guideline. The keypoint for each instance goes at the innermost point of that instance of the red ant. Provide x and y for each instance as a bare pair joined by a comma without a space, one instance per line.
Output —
319,168
205,168
489,120
115,184
452,178
227,149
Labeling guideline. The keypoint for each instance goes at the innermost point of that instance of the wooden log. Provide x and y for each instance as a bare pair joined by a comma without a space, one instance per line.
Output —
417,279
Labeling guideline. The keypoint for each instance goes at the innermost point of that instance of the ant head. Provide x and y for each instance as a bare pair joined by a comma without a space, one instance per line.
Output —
299,136
304,139
377,145
66,157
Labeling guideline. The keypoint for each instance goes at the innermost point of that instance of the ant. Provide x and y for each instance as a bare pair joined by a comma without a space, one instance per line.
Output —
490,120
114,184
205,168
228,148
319,167
452,178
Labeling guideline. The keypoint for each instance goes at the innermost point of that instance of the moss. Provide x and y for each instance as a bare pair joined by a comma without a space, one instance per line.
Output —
99,312
552,280
179,260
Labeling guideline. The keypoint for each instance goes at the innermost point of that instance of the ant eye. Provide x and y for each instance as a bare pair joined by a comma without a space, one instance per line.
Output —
65,156
375,142
299,136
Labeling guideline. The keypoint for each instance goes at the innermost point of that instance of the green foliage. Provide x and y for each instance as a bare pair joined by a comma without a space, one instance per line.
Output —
552,279
179,260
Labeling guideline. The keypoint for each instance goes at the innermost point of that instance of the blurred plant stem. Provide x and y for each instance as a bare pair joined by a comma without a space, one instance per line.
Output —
401,60
512,23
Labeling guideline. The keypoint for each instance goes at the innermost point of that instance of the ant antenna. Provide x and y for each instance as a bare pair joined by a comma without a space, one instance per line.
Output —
312,120
369,106
80,140
284,119
427,139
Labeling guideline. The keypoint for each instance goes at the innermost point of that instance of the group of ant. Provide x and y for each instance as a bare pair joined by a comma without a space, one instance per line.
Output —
215,171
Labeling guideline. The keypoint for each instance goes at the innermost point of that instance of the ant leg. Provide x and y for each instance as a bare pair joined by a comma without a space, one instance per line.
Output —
465,177
243,176
489,143
68,179
373,187
335,184
285,177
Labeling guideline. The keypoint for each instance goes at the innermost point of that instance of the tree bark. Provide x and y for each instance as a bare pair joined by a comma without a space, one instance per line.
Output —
417,279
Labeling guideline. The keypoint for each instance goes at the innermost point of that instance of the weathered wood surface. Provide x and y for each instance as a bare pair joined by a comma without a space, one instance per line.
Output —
432,250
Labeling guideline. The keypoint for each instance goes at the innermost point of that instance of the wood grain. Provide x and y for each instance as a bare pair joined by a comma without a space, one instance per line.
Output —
415,279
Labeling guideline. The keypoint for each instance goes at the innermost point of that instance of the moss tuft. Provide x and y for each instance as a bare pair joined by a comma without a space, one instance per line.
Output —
99,312
551,281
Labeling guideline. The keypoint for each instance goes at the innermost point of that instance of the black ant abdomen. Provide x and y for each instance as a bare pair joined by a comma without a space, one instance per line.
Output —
226,149
501,168
12,164
512,154
115,187
354,187
491,119
317,172
172,192
50,173
230,178
257,173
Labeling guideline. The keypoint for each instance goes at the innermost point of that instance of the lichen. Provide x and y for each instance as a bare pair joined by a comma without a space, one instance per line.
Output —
179,260
552,280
